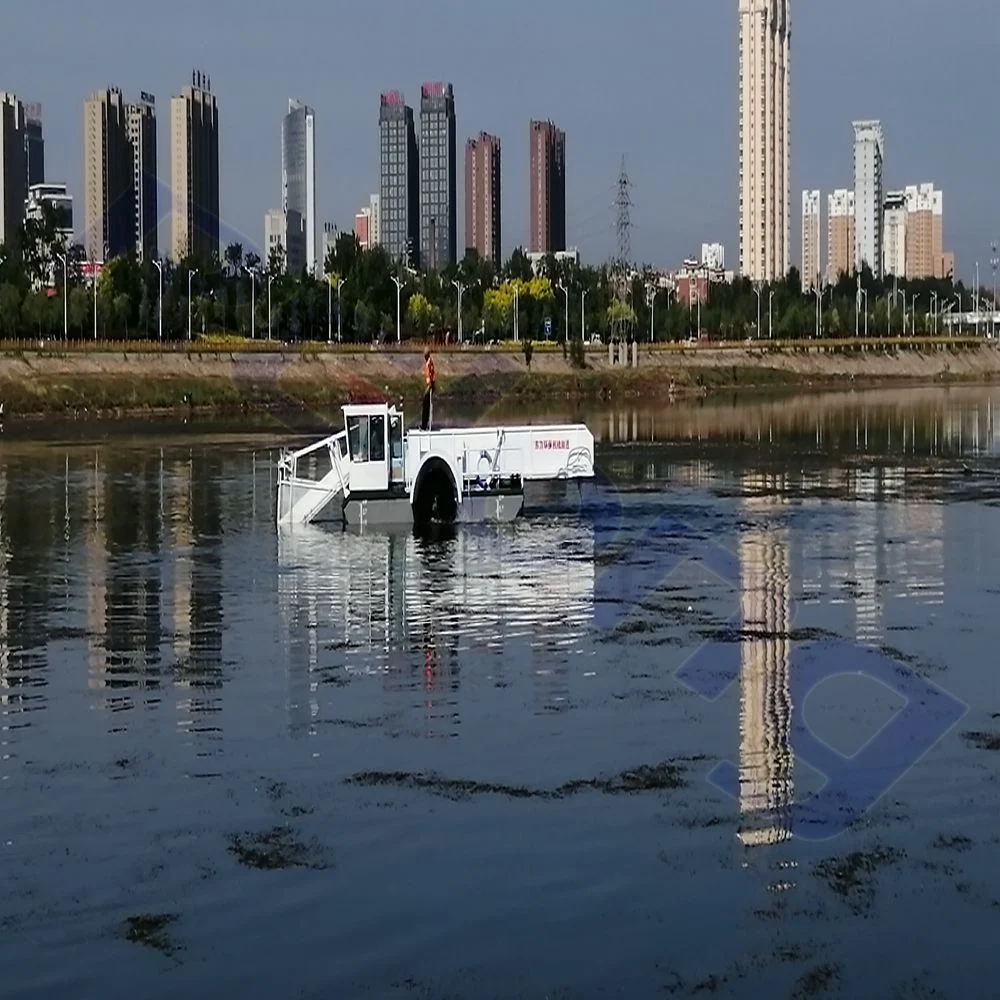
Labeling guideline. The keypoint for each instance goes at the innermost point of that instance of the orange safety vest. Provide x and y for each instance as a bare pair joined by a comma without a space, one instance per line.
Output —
430,376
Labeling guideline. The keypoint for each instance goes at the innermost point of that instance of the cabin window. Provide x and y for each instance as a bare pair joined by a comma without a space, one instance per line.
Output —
396,439
377,439
357,436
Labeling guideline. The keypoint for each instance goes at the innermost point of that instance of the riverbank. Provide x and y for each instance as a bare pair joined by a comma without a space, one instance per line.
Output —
91,382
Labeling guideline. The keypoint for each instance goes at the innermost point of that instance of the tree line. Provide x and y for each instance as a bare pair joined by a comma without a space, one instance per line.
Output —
45,290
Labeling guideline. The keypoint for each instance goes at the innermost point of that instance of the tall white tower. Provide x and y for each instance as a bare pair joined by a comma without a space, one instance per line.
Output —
869,148
765,177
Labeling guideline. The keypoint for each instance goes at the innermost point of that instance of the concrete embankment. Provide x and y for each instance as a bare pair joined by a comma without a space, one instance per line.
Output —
77,381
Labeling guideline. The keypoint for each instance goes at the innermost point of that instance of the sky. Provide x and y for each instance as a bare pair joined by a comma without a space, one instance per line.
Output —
655,81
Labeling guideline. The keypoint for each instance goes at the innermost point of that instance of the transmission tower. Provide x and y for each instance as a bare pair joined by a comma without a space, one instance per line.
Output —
622,322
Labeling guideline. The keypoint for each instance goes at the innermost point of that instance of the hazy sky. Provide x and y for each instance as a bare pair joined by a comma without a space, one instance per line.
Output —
655,80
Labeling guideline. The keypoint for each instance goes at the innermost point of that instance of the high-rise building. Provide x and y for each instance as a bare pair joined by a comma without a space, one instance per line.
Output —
194,170
34,144
812,263
328,243
894,229
274,234
482,196
713,256
108,200
375,204
13,172
840,234
548,187
438,177
869,196
399,173
298,186
140,124
924,232
363,228
765,117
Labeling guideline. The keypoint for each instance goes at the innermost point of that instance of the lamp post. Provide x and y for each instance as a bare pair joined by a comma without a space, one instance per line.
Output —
340,312
913,312
994,263
756,291
270,281
191,274
583,315
515,315
770,316
934,310
399,309
329,307
565,291
818,292
159,304
62,257
651,302
461,291
864,292
252,271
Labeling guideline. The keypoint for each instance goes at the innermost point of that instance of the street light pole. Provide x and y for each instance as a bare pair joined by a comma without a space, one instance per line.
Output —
864,292
399,309
583,315
515,315
62,257
270,280
565,291
977,298
252,271
329,307
934,310
994,263
913,313
651,302
159,304
756,291
461,289
340,313
770,316
191,274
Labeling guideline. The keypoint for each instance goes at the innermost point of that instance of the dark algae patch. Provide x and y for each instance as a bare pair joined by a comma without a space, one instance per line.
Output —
852,877
816,981
953,843
150,929
984,741
646,778
275,850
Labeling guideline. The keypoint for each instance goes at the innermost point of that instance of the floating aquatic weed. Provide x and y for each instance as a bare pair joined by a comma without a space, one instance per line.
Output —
149,929
954,843
853,876
646,778
984,741
816,981
276,849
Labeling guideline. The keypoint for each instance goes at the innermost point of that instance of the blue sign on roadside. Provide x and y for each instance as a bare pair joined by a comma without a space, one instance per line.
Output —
548,326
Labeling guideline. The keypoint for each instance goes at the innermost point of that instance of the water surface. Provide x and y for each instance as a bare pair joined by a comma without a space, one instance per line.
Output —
324,764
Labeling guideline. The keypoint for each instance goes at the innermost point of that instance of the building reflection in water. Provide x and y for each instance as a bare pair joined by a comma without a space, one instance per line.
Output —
420,612
766,758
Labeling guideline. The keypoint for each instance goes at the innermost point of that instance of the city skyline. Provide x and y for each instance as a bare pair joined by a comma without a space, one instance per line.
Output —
602,114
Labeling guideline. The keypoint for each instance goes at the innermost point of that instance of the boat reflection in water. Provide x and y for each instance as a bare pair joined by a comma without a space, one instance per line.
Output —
419,611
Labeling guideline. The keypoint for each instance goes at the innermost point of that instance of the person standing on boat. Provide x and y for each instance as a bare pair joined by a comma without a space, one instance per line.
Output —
430,383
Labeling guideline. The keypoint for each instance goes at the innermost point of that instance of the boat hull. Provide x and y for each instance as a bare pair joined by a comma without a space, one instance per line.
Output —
475,508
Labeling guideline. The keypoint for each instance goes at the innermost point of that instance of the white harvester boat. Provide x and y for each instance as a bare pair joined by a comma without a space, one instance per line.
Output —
374,472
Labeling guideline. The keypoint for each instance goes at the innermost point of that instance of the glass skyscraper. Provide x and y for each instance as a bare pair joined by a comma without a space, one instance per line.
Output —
298,188
438,167
399,184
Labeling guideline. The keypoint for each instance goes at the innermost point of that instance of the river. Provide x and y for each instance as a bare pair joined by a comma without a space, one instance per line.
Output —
724,722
